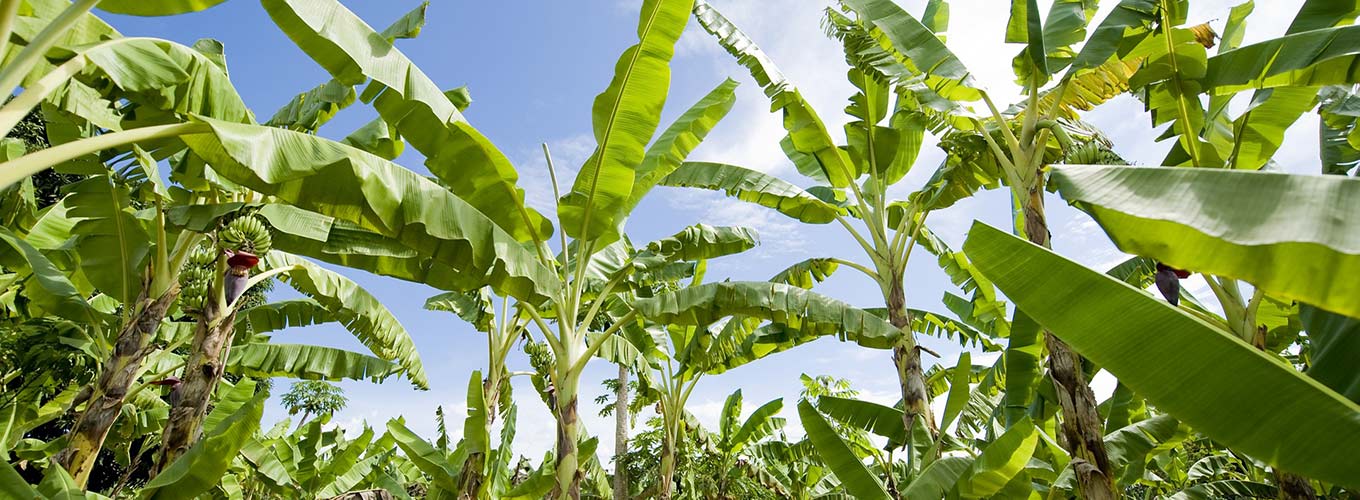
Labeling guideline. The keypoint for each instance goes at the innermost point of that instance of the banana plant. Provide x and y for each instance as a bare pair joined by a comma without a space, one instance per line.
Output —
877,157
492,397
1010,148
315,461
734,437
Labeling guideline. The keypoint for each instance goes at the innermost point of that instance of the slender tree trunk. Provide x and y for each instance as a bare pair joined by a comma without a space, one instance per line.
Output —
474,472
202,372
116,377
568,462
1293,486
907,358
1081,424
621,435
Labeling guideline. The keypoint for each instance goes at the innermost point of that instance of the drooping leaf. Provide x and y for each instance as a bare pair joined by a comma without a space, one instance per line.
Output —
1198,373
1232,223
359,311
755,187
702,241
460,156
808,139
308,362
155,7
797,310
473,307
425,457
911,38
335,180
806,273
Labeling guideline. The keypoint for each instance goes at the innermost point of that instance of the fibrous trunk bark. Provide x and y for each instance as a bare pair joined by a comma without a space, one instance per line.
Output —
202,372
907,359
621,435
568,462
1081,424
1293,487
116,377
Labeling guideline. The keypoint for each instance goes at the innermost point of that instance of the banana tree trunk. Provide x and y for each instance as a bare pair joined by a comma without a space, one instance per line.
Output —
907,358
621,435
202,372
1081,424
474,470
116,377
568,462
668,443
1293,486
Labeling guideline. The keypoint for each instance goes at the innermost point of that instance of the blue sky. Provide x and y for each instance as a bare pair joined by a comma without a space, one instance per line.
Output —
533,69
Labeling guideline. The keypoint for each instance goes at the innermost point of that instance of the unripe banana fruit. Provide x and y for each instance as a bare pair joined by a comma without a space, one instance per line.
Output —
245,234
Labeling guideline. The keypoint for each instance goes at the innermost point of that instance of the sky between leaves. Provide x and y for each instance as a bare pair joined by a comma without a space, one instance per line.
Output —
534,68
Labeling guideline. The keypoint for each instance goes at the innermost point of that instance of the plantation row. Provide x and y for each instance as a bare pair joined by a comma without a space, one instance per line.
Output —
147,213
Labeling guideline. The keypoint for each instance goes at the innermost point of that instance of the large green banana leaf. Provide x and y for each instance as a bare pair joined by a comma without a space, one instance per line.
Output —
912,39
472,307
359,311
339,181
675,144
308,362
49,288
702,241
1199,374
282,314
624,118
155,7
872,417
760,424
1290,235
1335,345
1318,57
797,310
807,273
755,187
426,457
1000,461
814,152
937,480
854,475
201,468
1338,135
460,156
344,243
1320,14
309,110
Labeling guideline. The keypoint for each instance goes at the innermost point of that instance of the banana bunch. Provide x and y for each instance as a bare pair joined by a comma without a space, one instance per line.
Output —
196,277
1093,153
245,234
